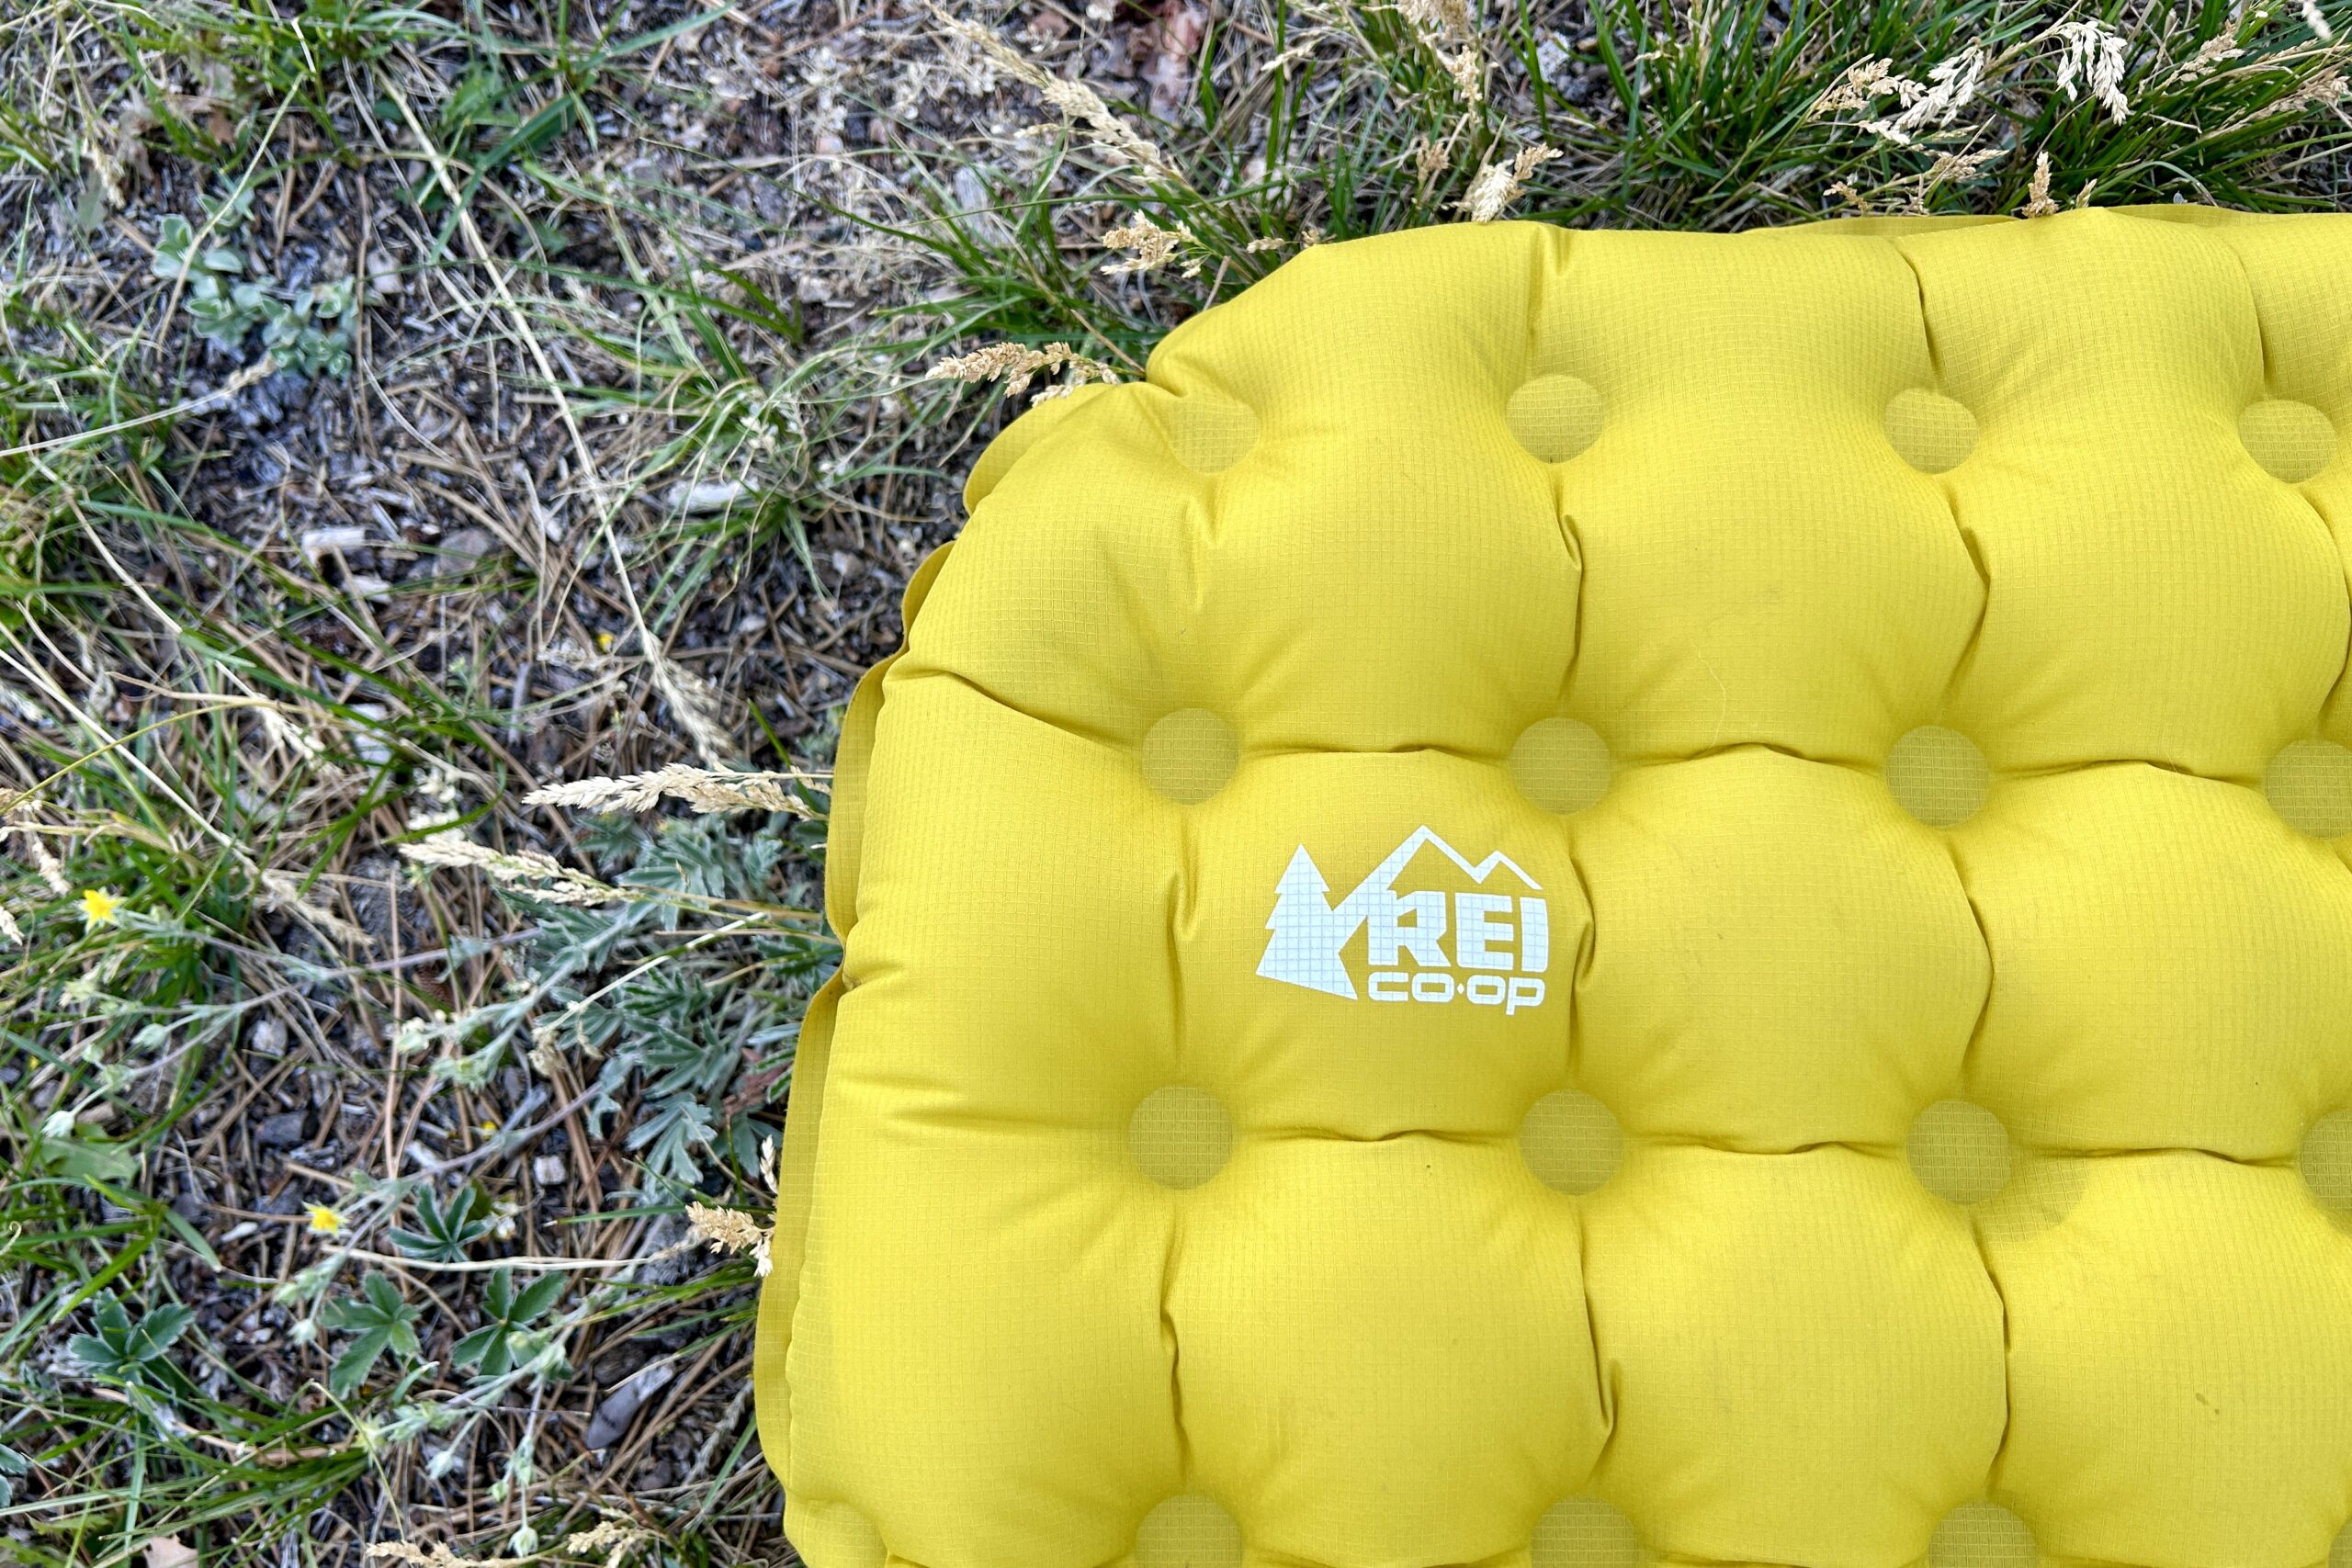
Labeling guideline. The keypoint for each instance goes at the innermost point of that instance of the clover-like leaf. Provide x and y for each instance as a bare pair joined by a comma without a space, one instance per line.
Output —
126,1349
506,1312
378,1320
135,1352
447,1226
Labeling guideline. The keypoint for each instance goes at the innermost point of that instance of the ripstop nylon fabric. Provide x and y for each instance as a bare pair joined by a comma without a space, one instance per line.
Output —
1570,897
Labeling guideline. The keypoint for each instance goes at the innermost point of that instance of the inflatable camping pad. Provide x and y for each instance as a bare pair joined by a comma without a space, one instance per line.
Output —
1586,898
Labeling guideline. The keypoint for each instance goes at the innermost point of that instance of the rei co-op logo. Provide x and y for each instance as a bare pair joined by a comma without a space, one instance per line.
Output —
1488,947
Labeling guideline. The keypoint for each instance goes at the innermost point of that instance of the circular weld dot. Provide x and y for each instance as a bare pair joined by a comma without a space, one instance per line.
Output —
1584,1532
1188,755
2309,785
1959,1150
1180,1136
1933,433
1982,1534
1571,1142
1561,764
1210,434
1554,417
1929,431
1188,1531
2291,441
2326,1160
1937,775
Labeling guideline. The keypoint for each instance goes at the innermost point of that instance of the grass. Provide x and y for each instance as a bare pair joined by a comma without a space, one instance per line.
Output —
406,408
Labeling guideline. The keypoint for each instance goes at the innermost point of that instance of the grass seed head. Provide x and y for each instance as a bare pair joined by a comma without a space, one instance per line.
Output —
2327,88
1446,29
1448,19
1859,88
611,1536
528,871
433,1556
2211,56
2094,56
704,789
701,707
1150,247
1129,150
1017,364
1951,85
2038,203
1497,185
283,892
51,870
730,1230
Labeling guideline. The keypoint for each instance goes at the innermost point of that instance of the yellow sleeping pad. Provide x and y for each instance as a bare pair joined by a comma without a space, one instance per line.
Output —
1570,899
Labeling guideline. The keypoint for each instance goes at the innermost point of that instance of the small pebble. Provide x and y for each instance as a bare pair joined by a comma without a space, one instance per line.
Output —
280,1132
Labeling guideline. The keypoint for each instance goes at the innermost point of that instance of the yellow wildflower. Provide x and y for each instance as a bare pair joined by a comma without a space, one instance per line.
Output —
100,907
325,1221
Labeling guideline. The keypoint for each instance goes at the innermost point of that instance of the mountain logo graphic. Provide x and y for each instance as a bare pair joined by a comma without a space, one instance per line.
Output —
1500,936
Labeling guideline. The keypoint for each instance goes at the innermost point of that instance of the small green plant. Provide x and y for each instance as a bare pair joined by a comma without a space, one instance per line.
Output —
505,1338
308,332
378,1320
445,1227
677,1036
224,305
298,337
135,1354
